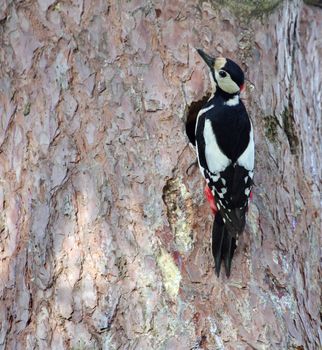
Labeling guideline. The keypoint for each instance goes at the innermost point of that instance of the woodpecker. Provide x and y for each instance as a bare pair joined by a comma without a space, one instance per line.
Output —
224,143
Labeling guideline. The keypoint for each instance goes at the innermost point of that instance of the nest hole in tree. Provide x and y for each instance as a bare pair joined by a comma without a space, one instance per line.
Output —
191,119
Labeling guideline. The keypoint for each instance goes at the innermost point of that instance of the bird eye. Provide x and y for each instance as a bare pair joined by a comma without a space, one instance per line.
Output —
222,73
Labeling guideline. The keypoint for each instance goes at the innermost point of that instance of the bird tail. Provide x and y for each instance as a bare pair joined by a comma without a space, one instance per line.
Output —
223,245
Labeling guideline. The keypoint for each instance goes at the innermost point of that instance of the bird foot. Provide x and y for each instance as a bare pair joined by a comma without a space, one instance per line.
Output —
210,198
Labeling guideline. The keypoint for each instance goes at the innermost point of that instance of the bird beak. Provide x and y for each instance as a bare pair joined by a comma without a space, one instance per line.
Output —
208,59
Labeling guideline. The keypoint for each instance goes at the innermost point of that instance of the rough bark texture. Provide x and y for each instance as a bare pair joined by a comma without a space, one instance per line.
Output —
105,240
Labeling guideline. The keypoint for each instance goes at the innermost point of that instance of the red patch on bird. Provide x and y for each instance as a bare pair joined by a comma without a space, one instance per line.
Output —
210,198
242,87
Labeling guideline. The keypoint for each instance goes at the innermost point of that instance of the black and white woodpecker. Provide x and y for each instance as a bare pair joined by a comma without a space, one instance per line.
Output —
225,149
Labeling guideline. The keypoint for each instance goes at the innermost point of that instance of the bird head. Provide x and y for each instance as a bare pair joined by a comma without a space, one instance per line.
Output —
227,75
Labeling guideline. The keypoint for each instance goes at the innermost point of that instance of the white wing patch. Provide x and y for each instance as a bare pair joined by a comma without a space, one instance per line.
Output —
214,178
222,193
201,112
216,159
247,158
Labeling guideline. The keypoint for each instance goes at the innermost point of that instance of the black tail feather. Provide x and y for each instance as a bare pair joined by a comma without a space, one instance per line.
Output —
218,232
228,251
223,245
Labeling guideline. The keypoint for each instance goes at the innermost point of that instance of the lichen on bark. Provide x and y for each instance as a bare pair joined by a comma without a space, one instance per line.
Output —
252,8
180,213
170,273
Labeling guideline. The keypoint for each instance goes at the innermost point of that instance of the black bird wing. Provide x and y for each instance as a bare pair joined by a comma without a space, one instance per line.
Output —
225,149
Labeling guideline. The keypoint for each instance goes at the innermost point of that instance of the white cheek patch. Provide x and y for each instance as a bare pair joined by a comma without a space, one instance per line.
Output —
247,191
227,84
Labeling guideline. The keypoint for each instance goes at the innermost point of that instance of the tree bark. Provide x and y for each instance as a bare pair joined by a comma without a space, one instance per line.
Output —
104,237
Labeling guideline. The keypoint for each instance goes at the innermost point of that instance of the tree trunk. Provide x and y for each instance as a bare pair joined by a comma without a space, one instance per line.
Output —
105,239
